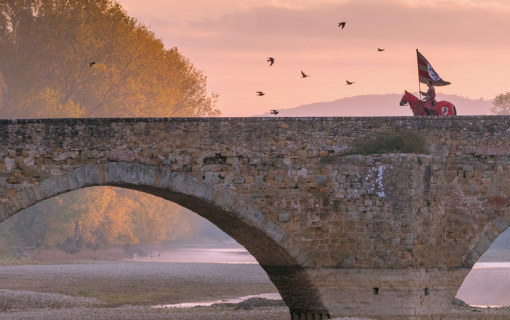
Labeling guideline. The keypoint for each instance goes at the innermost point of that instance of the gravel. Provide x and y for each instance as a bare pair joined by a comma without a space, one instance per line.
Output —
29,300
147,313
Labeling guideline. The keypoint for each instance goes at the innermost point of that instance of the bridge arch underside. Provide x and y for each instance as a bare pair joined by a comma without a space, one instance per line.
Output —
285,263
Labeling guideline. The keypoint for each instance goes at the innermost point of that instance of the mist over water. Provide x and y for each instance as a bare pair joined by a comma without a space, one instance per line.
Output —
203,253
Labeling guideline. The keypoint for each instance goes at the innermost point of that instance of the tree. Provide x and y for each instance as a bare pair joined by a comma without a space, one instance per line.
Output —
100,217
501,104
45,50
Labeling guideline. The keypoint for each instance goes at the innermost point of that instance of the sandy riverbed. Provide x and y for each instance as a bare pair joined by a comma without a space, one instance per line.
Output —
116,283
127,290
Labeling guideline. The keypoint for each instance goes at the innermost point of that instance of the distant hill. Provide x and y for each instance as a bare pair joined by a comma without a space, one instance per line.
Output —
379,106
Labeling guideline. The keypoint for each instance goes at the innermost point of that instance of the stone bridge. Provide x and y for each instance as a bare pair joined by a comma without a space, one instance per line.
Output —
384,235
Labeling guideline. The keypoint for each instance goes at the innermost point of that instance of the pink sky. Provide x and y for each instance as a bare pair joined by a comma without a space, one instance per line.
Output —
466,41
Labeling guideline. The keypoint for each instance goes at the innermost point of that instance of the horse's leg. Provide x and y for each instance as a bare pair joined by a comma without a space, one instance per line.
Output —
414,108
431,108
422,110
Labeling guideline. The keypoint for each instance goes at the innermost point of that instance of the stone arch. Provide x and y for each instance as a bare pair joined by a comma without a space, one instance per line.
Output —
491,231
487,237
279,255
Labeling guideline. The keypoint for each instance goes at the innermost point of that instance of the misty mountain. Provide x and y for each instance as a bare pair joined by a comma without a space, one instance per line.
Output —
380,105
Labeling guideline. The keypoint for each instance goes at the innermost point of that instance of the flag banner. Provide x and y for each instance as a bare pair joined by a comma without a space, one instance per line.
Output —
426,72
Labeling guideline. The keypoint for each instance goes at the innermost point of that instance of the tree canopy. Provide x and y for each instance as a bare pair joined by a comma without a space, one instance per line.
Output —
501,104
97,217
46,47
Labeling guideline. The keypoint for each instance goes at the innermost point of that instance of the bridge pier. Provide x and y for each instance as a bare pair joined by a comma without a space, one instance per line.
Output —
388,293
309,316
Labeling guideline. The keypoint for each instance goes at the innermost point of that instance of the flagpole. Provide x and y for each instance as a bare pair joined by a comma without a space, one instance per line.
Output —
419,82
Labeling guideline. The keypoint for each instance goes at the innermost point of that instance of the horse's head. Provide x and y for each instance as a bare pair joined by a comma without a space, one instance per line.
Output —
405,99
416,105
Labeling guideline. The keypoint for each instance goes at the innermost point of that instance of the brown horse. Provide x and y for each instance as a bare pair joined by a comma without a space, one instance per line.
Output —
443,108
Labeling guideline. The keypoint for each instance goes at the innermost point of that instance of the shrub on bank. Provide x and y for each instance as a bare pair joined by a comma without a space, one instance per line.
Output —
398,142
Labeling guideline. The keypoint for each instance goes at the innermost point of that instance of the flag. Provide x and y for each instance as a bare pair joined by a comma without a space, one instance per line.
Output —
426,72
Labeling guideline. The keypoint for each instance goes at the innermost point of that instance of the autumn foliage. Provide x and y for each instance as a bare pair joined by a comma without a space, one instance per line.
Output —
96,218
46,47
46,51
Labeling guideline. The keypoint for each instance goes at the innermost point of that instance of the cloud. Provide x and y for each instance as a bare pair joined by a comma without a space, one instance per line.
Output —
436,23
230,39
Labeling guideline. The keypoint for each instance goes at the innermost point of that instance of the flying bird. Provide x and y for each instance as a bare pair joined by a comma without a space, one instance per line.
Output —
260,93
380,50
303,75
341,24
270,60
349,82
275,112
91,64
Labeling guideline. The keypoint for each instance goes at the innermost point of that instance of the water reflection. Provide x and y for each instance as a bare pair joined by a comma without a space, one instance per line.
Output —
484,265
269,296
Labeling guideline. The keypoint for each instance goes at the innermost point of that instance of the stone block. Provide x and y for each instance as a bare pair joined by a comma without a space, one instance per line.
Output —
284,217
238,180
321,179
395,242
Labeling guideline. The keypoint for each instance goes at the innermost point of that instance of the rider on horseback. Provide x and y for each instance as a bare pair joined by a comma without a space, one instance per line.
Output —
430,97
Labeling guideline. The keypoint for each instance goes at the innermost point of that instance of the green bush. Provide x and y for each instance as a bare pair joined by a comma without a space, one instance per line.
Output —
399,142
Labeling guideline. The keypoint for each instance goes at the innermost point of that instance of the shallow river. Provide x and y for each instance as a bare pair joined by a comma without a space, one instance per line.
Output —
226,253
269,296
488,283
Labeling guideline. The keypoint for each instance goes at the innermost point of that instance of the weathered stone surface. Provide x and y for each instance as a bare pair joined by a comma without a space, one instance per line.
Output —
328,228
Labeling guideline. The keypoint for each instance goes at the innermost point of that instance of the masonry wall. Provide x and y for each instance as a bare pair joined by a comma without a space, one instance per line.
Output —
437,211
